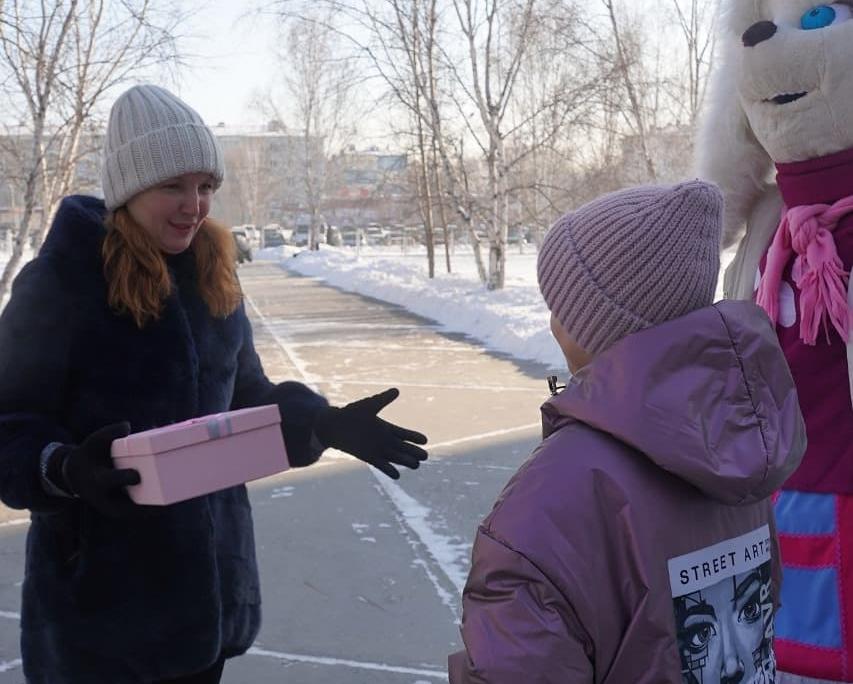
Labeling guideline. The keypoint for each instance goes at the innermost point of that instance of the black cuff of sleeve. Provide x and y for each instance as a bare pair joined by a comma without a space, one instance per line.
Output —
53,472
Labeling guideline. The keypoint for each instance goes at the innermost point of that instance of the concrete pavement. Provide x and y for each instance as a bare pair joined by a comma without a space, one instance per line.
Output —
361,576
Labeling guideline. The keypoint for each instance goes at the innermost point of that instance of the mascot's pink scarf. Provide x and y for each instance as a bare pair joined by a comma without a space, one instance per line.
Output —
807,231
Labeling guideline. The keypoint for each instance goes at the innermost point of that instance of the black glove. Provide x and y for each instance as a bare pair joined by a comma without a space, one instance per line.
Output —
87,471
357,429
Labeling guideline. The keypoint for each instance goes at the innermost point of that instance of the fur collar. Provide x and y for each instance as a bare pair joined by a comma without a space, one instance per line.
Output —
77,231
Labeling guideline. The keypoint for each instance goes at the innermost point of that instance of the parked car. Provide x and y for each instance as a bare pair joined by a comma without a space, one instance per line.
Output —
352,237
241,242
376,234
272,236
301,233
253,234
277,227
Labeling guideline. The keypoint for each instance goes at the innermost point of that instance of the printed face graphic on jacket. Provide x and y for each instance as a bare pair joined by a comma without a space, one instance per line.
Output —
721,630
724,622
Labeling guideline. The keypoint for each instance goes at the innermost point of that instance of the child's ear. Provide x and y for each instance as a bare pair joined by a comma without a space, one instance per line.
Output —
727,151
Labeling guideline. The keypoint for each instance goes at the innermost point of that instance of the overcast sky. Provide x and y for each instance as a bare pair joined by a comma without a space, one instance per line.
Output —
234,57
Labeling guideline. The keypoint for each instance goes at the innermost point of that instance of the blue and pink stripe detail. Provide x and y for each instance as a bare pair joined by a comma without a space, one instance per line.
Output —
814,627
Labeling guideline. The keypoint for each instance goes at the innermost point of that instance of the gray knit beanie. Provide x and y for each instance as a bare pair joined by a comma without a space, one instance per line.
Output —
632,259
153,136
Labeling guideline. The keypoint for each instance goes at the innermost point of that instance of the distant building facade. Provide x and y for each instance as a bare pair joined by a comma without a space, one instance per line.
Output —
371,186
16,154
265,179
264,169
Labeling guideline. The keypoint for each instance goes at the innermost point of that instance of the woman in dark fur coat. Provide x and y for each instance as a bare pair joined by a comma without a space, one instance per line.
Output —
131,317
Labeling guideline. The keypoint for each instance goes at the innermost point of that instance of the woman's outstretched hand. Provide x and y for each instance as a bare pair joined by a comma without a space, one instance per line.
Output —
357,429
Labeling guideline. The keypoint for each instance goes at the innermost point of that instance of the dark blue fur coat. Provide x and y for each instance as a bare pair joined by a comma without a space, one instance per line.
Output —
164,593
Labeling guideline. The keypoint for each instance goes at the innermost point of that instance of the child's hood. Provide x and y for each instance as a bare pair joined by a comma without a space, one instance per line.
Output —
707,397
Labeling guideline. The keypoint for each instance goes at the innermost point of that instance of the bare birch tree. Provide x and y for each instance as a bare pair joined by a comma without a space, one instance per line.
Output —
110,42
60,59
33,49
414,34
403,54
497,36
252,187
417,39
559,86
626,61
526,107
319,83
696,22
659,76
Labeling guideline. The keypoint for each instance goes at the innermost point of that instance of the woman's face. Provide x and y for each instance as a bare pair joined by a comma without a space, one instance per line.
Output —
722,635
172,211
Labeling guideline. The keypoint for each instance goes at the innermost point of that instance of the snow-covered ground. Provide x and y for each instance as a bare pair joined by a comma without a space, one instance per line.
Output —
513,321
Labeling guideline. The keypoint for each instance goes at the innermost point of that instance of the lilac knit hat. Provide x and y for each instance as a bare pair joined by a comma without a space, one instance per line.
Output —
632,259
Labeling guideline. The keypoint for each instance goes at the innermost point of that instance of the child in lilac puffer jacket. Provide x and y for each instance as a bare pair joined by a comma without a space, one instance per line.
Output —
637,543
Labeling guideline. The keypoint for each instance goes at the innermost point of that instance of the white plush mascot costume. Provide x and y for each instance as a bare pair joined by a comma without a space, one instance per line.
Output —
778,139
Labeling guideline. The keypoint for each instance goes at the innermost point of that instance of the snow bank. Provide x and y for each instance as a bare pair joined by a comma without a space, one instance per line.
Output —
513,321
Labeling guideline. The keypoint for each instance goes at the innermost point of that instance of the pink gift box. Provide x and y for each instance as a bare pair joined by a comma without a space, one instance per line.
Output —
203,455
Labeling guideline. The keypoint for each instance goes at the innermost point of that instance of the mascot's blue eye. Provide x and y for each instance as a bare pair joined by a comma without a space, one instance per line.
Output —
824,15
818,17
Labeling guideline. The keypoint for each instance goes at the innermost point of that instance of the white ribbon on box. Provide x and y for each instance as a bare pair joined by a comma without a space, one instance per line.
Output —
219,426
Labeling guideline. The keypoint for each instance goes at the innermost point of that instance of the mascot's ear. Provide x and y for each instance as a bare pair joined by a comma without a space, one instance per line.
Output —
727,152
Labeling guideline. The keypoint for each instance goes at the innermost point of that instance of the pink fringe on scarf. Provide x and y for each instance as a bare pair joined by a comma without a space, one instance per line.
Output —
818,270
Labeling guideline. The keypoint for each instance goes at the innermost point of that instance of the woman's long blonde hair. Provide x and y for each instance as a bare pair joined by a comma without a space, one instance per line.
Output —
137,277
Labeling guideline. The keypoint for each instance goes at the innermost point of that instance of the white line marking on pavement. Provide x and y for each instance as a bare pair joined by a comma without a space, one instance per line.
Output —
430,385
15,521
448,555
9,665
480,466
356,664
8,615
354,344
483,435
335,324
291,355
